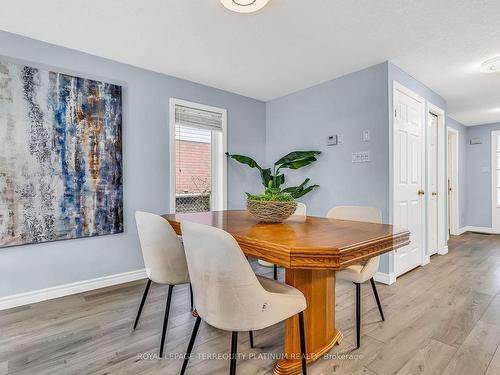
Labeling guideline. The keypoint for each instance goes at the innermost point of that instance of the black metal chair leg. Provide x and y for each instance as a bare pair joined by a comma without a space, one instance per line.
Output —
377,299
191,296
234,353
275,272
191,344
358,315
142,303
165,319
250,334
303,351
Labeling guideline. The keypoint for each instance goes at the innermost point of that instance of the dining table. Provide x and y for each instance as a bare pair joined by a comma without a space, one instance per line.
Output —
310,249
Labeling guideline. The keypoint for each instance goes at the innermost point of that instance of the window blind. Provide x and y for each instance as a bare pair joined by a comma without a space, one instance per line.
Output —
187,116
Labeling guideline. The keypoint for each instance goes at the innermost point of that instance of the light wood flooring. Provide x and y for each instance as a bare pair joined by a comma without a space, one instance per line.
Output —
443,318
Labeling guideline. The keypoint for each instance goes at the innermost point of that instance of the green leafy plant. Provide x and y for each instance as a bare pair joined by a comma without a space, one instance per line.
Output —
275,197
273,179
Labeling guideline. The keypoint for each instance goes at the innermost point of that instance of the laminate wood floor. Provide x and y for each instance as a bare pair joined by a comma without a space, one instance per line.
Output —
443,318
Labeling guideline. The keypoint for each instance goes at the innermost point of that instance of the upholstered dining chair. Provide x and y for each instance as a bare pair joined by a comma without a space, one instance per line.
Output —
300,211
227,293
164,259
359,273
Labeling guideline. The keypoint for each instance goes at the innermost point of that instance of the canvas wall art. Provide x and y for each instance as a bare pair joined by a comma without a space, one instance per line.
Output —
60,156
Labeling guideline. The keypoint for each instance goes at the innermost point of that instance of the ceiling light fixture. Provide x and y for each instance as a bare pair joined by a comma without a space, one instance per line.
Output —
244,6
491,65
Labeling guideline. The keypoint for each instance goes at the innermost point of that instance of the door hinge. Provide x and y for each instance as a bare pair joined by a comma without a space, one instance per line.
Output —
395,113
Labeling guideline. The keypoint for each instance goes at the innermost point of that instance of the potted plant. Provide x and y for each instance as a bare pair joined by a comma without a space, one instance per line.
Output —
276,203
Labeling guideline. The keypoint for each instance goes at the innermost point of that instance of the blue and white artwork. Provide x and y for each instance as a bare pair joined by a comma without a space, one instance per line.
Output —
60,156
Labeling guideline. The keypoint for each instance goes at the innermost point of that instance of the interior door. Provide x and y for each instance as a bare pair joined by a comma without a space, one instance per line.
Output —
432,183
408,177
450,165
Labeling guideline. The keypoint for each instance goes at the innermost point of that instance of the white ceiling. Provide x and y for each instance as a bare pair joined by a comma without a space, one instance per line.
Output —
289,45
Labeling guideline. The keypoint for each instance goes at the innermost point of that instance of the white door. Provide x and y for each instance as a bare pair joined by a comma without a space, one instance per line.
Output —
408,140
432,183
452,172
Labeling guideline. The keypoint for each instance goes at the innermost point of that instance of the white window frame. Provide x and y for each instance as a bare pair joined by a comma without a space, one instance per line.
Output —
219,160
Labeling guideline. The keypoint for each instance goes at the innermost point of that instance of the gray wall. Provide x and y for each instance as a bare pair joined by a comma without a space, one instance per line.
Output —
478,186
146,164
346,105
462,168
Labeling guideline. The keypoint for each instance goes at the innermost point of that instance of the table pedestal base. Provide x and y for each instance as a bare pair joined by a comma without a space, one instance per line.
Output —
318,287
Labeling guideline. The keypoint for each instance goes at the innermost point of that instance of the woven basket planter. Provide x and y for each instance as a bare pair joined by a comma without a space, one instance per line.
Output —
271,211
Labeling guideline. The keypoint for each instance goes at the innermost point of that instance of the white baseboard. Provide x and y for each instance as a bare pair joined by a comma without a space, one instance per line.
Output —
470,228
460,231
385,278
45,294
443,251
427,260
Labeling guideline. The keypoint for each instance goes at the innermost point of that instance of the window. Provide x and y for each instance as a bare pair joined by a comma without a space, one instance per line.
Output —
198,163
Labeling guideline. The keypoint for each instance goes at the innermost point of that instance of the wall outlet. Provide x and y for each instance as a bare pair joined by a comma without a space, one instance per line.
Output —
361,157
340,139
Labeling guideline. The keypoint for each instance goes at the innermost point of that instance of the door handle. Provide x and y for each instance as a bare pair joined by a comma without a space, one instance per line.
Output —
421,192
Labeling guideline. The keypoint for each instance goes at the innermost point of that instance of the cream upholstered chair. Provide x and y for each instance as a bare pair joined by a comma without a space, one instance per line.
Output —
359,273
227,293
301,211
164,259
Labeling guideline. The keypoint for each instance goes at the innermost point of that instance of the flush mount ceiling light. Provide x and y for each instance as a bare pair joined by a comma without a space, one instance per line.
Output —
491,65
244,6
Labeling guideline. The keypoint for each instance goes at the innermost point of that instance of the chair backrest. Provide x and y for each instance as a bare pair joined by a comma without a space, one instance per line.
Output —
162,250
356,213
360,213
227,294
301,209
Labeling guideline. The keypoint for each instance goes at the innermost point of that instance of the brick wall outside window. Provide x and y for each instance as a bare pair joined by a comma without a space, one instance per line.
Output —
193,163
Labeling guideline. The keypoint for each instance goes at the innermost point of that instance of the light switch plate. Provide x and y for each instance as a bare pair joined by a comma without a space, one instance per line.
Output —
361,157
366,135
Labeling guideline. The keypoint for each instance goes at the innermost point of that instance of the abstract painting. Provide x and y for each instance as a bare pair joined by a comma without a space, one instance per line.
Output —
60,156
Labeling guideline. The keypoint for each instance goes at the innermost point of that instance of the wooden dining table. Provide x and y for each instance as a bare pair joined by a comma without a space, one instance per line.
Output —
311,249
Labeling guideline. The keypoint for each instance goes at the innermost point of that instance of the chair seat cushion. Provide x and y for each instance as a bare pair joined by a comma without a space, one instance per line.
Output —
274,286
354,273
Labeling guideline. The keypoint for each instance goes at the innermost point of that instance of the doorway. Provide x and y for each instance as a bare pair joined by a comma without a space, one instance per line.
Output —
432,179
436,181
495,181
452,180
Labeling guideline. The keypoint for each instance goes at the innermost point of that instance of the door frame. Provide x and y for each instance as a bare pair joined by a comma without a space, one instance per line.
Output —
217,166
495,221
454,223
396,86
441,175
